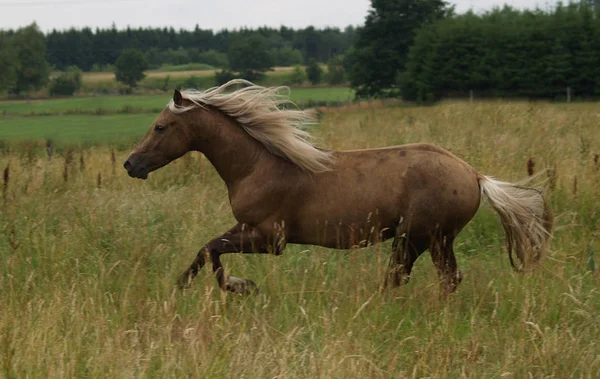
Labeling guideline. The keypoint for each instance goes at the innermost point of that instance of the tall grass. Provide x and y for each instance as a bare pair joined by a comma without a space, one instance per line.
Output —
90,259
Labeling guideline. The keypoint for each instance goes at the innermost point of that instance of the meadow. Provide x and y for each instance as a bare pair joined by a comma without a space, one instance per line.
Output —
90,258
144,103
169,76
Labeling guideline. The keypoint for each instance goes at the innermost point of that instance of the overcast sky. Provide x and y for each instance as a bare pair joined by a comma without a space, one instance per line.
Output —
209,14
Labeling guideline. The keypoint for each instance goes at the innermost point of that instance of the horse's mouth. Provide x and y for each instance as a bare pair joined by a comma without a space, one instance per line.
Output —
136,172
140,175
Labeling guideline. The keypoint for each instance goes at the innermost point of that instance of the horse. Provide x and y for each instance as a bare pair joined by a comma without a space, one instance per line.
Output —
284,190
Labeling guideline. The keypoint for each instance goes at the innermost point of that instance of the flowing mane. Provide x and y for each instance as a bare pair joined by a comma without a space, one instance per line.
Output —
259,111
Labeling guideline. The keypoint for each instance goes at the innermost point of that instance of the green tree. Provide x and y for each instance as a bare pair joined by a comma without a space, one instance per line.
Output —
298,75
314,72
287,56
558,69
213,58
8,62
130,67
335,70
250,57
32,68
382,44
223,76
66,83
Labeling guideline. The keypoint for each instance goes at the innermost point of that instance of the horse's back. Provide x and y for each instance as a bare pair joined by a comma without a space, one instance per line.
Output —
424,185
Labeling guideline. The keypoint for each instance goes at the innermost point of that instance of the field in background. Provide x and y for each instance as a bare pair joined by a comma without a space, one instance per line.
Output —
182,76
111,119
180,71
145,103
90,257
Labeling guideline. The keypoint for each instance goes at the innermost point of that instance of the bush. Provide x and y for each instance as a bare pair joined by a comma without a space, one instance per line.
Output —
335,70
298,76
314,71
195,82
96,67
192,82
210,57
66,83
223,76
287,56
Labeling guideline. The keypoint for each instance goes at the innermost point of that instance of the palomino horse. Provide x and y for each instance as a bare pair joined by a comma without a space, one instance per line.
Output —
283,189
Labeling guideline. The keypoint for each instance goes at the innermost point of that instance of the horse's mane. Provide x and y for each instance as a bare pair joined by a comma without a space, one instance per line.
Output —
260,112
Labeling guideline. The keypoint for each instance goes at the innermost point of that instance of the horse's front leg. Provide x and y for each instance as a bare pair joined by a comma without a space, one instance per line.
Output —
239,239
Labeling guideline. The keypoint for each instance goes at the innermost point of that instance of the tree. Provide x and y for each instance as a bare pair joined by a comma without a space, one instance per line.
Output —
130,66
211,57
382,44
287,57
8,62
66,83
224,76
32,68
335,70
250,57
298,75
314,72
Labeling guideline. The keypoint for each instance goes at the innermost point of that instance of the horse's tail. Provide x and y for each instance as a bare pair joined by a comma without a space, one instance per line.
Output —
526,217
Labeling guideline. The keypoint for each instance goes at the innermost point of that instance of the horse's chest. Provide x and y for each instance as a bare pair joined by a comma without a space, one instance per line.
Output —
252,207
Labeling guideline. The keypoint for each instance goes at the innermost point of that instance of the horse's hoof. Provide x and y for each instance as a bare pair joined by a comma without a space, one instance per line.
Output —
241,286
184,282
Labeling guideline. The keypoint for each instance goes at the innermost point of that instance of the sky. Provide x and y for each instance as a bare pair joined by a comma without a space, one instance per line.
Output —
208,14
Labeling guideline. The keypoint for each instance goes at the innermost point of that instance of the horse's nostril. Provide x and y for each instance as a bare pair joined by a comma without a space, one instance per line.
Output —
127,165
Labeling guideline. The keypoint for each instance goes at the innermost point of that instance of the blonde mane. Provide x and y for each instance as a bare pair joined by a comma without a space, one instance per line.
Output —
259,111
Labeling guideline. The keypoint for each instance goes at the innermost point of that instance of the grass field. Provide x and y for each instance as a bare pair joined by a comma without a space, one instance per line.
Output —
173,72
150,103
90,257
77,129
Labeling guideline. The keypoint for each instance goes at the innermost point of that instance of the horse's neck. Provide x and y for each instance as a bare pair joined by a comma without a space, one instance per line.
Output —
232,151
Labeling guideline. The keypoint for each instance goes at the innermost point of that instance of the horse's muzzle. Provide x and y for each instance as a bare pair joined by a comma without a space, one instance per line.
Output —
135,170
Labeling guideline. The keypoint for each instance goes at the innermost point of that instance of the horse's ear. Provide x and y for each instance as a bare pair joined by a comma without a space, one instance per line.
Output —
177,98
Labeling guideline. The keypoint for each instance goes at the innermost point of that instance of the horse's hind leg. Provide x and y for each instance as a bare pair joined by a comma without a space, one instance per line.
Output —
404,254
442,254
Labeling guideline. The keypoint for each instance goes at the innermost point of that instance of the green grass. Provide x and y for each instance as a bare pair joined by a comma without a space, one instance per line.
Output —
150,103
185,67
331,94
76,129
106,103
90,257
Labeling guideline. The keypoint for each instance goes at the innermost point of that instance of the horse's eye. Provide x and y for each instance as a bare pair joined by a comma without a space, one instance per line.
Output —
160,128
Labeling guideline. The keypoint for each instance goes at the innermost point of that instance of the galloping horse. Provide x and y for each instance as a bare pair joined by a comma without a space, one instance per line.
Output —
283,189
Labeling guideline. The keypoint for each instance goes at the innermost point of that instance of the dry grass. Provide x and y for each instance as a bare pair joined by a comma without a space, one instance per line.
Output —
89,265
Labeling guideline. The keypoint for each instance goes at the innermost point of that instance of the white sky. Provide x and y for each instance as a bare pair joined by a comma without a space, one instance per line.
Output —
209,14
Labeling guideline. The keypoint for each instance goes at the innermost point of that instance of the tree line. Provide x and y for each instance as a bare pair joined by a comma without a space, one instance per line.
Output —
239,53
422,51
89,49
508,53
418,49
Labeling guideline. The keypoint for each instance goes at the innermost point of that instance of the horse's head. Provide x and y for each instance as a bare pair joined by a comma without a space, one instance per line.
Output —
168,139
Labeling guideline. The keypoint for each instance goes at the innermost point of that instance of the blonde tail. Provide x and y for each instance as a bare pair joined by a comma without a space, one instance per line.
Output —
525,215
